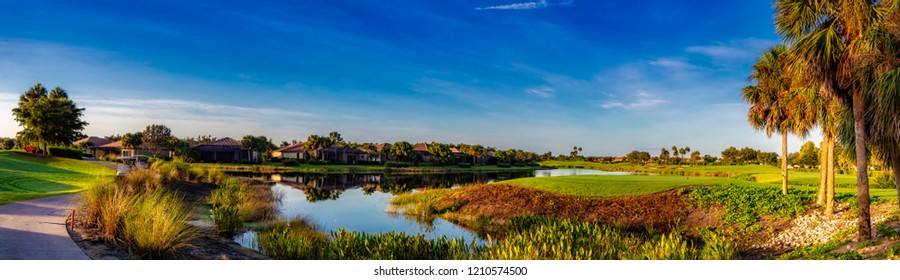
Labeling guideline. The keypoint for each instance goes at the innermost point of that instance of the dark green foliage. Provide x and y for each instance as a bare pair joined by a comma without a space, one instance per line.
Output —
884,228
744,205
503,165
290,162
464,165
883,181
65,152
821,252
396,164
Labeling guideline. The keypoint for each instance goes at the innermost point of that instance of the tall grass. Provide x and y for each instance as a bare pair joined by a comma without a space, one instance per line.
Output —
157,225
140,213
105,204
299,239
235,202
528,238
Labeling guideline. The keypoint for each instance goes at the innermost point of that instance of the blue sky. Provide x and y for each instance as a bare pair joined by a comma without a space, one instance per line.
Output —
608,76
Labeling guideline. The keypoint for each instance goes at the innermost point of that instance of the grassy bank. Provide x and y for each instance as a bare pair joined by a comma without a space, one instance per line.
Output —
758,173
24,177
601,185
357,169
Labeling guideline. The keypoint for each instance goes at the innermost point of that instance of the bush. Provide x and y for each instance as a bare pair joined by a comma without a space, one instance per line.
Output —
290,162
318,162
244,161
157,225
503,165
392,164
464,165
32,149
883,181
72,153
744,205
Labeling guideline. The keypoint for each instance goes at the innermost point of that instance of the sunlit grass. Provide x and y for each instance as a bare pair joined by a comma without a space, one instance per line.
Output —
25,177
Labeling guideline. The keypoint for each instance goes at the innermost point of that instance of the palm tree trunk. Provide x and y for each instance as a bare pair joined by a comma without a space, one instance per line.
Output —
784,170
829,177
895,165
862,174
823,173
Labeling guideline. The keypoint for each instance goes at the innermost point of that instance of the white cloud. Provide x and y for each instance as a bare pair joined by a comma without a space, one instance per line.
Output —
733,51
542,91
517,6
528,5
640,100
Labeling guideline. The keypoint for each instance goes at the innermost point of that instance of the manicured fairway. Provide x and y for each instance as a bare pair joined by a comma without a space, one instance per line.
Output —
602,185
24,177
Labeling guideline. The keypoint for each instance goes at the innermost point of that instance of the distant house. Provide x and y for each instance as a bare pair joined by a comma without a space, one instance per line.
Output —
143,150
95,142
295,151
379,154
422,150
339,155
224,150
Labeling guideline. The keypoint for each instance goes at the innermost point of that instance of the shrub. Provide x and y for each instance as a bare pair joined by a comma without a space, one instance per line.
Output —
65,152
157,225
503,165
744,205
318,162
142,180
883,181
464,165
104,205
244,161
290,162
32,149
226,219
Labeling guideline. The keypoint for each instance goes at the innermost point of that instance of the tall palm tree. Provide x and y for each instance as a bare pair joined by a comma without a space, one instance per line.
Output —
773,102
826,36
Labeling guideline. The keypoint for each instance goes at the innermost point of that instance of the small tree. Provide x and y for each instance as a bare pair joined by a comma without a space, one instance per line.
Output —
133,140
156,137
402,150
48,118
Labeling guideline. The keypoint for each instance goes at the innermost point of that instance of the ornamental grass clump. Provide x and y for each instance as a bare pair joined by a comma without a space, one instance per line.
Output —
156,226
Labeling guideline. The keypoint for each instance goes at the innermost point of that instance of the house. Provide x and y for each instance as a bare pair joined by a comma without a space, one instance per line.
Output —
422,150
92,143
295,151
379,154
339,155
224,150
109,151
142,150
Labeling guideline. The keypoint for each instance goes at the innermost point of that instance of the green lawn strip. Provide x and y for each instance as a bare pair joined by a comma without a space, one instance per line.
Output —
23,177
604,185
762,173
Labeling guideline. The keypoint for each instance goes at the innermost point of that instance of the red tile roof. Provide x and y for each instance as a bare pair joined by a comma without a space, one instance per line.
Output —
295,148
421,147
226,144
96,141
113,145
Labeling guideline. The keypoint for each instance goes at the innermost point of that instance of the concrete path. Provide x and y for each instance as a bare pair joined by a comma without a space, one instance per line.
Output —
36,230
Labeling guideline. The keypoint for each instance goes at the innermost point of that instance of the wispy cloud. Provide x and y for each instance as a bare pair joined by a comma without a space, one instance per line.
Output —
528,5
641,100
542,91
732,51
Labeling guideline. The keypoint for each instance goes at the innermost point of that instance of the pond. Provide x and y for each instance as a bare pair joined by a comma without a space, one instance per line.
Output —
362,202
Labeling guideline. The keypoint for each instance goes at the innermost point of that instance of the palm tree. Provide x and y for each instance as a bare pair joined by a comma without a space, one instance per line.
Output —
774,106
827,36
664,155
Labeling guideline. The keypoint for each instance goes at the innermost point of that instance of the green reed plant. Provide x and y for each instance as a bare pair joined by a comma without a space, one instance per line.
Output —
157,225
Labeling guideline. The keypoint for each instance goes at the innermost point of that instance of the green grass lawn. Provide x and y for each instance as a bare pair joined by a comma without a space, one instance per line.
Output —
24,177
762,173
603,185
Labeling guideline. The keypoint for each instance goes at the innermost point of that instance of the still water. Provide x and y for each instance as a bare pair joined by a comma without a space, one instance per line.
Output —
362,202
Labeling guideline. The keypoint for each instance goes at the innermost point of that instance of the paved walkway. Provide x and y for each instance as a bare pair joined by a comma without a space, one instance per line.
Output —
36,230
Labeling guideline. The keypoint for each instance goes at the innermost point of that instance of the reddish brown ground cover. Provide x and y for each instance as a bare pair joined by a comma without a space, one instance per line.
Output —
658,211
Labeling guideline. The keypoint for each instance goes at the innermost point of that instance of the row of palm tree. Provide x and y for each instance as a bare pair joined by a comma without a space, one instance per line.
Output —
839,69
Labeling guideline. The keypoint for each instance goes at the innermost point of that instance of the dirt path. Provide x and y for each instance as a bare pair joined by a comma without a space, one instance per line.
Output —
36,230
